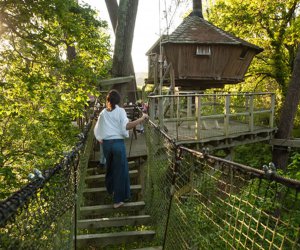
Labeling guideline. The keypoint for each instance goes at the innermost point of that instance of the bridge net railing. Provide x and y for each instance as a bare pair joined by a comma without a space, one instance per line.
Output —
42,215
198,201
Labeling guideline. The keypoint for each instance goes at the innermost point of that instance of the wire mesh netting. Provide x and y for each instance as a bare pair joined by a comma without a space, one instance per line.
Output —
42,215
158,179
217,204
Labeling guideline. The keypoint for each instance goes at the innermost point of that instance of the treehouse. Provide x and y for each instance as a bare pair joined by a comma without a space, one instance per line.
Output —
200,55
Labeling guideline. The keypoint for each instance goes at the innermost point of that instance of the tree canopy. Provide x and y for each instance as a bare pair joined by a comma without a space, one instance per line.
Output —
272,25
43,88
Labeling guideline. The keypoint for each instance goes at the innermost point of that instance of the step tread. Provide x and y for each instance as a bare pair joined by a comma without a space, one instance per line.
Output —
102,176
115,234
100,210
114,218
105,239
106,206
113,221
103,189
149,248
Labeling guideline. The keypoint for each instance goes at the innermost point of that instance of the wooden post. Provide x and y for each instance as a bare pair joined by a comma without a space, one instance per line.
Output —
152,109
155,73
172,90
141,176
251,113
246,101
198,116
161,111
189,109
177,116
271,121
226,116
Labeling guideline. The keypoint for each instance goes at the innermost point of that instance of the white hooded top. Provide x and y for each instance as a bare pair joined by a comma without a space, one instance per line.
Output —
111,124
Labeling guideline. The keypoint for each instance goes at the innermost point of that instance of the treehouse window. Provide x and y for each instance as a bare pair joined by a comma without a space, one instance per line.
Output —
203,51
243,53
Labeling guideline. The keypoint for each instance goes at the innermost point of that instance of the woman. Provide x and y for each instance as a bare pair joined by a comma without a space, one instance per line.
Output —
111,129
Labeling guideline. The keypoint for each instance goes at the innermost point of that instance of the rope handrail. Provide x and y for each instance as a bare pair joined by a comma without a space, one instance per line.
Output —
251,171
42,215
17,200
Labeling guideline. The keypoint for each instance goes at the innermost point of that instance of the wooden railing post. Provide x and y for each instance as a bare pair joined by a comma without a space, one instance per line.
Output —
251,113
161,111
271,121
226,115
189,109
152,109
171,106
177,116
198,116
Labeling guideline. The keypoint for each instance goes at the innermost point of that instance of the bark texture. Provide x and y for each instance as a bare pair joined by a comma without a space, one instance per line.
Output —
288,113
123,24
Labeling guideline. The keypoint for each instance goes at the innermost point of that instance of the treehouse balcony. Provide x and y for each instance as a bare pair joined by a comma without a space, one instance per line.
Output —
218,120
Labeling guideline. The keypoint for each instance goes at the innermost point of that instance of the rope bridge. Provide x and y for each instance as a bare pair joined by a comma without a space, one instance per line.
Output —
198,201
42,215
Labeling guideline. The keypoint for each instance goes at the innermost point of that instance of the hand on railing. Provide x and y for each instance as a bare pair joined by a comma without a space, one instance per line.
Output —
145,116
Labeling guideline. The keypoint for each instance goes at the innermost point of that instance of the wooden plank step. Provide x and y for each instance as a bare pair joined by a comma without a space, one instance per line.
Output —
133,189
94,169
114,222
104,209
101,177
150,248
105,239
94,163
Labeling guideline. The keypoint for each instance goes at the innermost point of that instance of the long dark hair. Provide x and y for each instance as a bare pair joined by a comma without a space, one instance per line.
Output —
113,97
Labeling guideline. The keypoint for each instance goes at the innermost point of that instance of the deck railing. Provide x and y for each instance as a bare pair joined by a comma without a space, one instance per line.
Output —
188,117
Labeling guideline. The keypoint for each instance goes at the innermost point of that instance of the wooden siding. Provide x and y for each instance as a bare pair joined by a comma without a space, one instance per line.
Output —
224,63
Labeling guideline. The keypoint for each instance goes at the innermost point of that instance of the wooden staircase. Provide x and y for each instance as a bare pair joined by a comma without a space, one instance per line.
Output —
103,227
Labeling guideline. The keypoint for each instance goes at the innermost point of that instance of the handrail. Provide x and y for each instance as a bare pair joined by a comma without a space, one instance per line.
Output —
34,211
216,94
295,184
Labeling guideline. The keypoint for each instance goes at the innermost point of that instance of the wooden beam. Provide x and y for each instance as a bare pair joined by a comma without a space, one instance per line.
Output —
116,80
293,143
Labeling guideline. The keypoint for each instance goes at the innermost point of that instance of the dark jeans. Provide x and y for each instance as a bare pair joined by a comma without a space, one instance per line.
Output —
117,175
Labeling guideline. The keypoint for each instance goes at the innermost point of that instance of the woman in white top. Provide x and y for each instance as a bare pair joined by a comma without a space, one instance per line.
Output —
110,130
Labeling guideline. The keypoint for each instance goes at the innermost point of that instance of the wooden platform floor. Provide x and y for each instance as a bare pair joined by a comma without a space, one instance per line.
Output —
186,133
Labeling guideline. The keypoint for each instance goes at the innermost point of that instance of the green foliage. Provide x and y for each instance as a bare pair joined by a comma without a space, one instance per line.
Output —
293,169
253,155
272,25
51,54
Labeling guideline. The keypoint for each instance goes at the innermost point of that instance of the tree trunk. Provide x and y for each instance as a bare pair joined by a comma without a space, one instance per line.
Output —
71,53
288,112
123,25
112,7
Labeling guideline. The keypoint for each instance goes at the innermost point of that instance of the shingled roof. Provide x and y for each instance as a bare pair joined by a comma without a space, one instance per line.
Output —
195,29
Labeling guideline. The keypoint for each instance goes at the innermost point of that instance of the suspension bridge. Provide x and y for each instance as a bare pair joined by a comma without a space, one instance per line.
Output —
183,198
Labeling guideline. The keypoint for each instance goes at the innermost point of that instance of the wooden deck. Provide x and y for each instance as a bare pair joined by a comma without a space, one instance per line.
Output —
186,133
220,120
215,138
